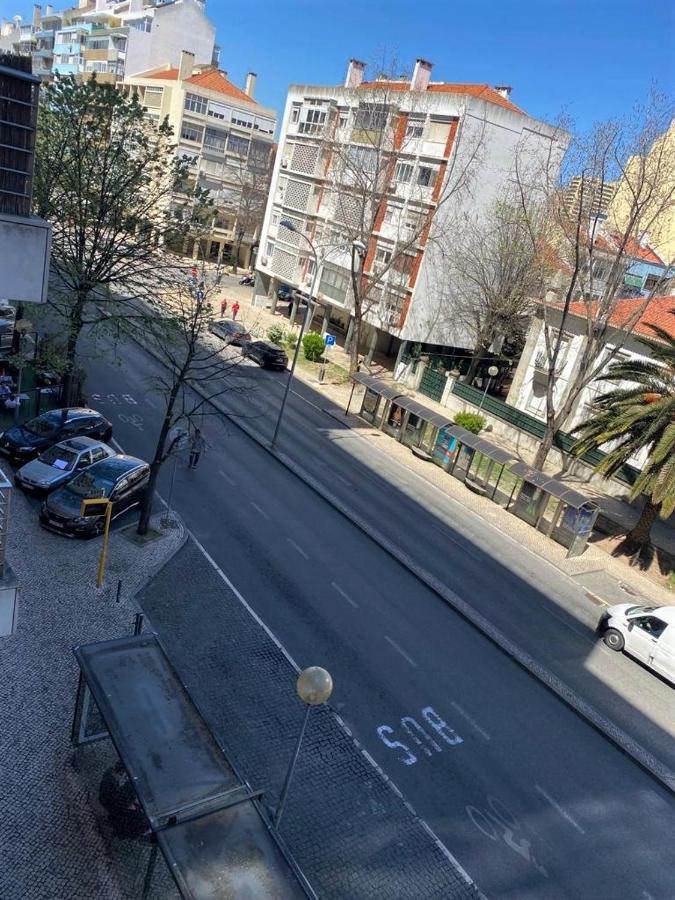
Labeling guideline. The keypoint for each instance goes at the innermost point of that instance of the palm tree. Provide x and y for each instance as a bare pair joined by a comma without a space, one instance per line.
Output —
634,417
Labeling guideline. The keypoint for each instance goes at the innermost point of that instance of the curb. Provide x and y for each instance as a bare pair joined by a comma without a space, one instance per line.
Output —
600,723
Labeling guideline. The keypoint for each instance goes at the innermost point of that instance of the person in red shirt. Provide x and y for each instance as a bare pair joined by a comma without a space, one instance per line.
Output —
235,309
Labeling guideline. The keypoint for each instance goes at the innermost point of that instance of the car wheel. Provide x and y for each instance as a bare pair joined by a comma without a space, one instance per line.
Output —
614,639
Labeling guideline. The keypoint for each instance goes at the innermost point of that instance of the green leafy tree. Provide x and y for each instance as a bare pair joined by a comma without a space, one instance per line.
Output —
637,416
104,177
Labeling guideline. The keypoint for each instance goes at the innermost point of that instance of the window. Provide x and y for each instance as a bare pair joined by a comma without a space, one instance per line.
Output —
343,119
266,126
215,139
651,624
382,258
241,118
404,173
218,111
426,176
414,130
361,159
269,249
651,282
313,121
196,104
191,133
370,117
239,145
334,282
295,114
275,219
211,167
98,45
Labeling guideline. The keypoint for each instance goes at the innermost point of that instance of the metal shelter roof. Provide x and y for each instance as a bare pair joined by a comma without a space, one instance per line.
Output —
210,830
469,439
413,406
552,486
377,385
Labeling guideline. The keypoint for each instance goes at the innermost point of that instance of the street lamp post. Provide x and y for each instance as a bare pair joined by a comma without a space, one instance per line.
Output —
314,687
286,223
493,371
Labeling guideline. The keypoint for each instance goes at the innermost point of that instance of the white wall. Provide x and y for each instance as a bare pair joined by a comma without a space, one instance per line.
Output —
175,27
25,246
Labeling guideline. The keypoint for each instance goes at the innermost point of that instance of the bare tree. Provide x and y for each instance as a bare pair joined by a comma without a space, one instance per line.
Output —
178,336
104,178
374,181
251,180
594,257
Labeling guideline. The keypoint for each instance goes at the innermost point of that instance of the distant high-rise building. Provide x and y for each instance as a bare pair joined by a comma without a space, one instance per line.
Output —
595,195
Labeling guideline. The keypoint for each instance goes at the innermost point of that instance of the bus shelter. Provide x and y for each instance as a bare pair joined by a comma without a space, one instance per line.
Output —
376,399
477,462
551,506
208,824
406,420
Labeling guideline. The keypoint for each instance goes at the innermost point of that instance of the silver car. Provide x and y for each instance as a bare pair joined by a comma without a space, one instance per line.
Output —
60,463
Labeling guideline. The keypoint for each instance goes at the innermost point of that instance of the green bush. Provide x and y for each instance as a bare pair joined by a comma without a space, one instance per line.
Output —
276,334
291,340
313,346
473,422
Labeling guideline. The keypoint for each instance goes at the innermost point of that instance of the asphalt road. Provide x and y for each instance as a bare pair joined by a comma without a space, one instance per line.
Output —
532,801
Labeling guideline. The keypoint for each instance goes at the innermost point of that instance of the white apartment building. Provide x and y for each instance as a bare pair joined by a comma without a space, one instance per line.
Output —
440,130
229,139
112,37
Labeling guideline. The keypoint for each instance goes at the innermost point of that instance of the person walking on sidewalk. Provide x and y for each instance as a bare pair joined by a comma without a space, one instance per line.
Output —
197,447
223,308
235,309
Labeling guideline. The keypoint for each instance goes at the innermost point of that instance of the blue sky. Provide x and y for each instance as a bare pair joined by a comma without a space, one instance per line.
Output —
589,58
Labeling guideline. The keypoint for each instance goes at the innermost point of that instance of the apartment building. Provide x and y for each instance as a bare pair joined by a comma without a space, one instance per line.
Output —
112,37
595,196
436,131
228,138
25,239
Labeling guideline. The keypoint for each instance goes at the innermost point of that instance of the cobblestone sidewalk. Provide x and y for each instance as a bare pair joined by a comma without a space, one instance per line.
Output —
53,845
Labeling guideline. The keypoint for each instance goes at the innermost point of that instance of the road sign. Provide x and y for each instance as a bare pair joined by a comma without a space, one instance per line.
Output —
329,340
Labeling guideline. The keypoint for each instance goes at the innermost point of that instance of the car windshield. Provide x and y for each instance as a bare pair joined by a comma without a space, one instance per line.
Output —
92,486
44,425
60,458
634,610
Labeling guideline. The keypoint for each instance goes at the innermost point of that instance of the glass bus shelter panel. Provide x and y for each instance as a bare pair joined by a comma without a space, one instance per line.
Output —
393,422
370,405
445,449
412,431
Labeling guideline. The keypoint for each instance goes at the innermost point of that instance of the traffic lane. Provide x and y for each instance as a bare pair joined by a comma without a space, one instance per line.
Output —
632,697
299,617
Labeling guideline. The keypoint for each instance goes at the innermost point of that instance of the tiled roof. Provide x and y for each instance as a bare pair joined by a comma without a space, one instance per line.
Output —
482,91
611,242
211,79
660,311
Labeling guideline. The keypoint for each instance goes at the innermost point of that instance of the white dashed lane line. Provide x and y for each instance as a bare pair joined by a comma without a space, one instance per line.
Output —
344,595
259,509
297,547
559,809
226,477
470,720
400,650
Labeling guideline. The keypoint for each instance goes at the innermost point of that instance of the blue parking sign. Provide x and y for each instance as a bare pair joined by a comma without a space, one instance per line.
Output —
329,340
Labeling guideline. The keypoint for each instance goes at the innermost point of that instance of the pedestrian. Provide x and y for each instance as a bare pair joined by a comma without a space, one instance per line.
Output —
223,308
197,447
235,309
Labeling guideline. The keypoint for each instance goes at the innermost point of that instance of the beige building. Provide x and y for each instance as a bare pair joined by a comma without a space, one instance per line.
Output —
229,139
596,196
661,232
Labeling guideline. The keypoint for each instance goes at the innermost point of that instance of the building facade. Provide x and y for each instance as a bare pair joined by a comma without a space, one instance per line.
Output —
594,194
23,236
437,131
112,37
229,141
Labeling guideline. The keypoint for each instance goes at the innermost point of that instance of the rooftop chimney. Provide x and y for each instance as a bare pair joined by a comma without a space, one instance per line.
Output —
354,73
49,9
504,90
187,61
37,16
251,79
421,75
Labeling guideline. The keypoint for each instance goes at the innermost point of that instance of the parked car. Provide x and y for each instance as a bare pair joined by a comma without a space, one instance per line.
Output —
230,331
23,442
266,354
60,464
645,632
121,479
284,293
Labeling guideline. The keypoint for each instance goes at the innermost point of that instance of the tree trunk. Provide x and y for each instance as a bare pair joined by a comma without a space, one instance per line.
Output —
639,536
75,326
545,446
478,355
354,345
158,459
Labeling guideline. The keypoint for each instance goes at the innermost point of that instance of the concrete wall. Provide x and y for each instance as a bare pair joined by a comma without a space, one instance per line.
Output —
175,27
25,247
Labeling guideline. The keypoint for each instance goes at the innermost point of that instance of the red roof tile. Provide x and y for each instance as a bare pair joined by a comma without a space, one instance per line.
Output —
211,79
482,91
660,311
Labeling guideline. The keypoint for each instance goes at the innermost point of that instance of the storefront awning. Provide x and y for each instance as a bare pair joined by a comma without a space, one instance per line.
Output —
552,486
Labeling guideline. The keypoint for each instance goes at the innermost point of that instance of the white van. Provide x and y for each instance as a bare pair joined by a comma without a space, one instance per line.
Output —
645,632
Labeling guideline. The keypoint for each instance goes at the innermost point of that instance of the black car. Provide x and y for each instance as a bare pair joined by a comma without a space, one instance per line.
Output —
266,354
230,331
24,442
121,479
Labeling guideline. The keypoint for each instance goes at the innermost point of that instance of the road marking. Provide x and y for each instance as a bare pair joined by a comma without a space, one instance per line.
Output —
259,509
558,808
297,547
401,651
334,474
471,721
344,594
226,476
116,445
